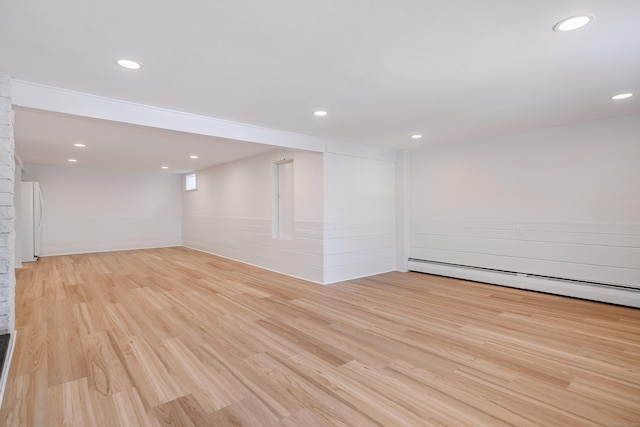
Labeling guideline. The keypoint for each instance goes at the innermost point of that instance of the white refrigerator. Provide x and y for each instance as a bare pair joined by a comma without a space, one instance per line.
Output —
31,211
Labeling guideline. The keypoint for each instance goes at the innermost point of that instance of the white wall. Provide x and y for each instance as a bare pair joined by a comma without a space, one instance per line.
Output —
561,202
359,214
17,201
230,214
344,212
7,208
402,173
94,210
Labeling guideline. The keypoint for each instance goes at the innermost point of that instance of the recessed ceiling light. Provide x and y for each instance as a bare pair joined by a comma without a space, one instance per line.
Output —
193,157
572,23
129,64
71,160
416,136
79,145
319,113
622,96
165,167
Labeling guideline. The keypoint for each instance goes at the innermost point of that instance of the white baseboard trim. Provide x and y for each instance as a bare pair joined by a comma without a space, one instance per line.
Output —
586,290
7,364
306,279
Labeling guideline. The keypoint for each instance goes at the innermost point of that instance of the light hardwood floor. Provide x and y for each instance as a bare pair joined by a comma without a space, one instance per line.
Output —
178,337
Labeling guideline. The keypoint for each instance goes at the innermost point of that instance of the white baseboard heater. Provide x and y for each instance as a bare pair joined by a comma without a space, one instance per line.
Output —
608,293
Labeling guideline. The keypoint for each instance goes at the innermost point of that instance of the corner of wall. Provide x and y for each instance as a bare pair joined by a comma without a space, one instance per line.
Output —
402,210
7,210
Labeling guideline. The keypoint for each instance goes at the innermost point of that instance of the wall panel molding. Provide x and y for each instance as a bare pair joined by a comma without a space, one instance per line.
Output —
249,240
585,290
354,249
593,252
65,236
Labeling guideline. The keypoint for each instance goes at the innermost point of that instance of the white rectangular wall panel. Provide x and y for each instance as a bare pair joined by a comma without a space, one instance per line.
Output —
359,234
95,210
558,203
230,214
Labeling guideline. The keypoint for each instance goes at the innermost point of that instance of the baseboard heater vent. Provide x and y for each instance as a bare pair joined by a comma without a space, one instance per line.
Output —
610,293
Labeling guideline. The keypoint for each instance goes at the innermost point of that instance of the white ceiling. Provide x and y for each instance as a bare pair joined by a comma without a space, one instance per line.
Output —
47,138
449,70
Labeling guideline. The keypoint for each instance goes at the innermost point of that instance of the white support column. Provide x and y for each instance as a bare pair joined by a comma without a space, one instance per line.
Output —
7,209
402,210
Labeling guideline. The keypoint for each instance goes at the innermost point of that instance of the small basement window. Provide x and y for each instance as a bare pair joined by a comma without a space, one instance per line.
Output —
190,182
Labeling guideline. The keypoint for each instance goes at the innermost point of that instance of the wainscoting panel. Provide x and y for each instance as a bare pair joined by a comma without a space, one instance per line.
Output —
249,240
596,253
358,248
62,235
603,253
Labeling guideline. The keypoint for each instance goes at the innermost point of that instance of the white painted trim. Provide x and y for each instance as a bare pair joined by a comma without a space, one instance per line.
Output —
48,98
18,158
41,97
255,265
402,204
275,202
141,248
590,291
7,364
358,150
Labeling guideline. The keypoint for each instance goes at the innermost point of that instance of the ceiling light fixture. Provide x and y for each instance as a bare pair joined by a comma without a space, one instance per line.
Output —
71,160
319,113
193,157
165,167
416,136
572,23
79,145
129,64
622,96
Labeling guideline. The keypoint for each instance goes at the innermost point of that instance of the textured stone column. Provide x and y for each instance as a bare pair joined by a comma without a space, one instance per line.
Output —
7,209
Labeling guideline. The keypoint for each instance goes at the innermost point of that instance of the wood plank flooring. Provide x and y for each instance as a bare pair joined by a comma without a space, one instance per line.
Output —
175,337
